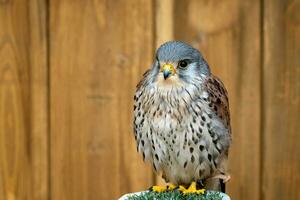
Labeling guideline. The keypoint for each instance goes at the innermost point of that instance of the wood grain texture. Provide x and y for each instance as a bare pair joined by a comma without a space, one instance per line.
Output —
23,97
164,21
164,25
228,34
99,50
39,99
281,102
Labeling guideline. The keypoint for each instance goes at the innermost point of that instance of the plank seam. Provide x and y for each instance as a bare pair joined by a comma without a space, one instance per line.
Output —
47,10
262,116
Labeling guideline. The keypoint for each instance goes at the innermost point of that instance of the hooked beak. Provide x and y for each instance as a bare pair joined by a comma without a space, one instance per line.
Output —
168,69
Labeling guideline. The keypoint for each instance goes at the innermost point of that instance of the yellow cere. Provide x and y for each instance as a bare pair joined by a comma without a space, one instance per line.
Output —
169,67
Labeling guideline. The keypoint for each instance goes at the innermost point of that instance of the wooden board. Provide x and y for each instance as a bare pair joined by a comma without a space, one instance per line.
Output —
228,34
281,102
99,50
23,101
164,24
67,80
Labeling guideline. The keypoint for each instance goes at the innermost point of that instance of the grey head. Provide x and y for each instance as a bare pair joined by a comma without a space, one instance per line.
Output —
175,51
187,62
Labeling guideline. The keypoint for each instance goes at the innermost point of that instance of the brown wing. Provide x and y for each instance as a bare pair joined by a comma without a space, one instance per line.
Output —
218,99
219,105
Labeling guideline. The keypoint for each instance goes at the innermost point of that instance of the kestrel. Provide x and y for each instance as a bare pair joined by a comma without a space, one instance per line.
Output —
181,118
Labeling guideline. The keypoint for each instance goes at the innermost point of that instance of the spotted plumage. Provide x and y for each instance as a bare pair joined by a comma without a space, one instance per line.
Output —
181,116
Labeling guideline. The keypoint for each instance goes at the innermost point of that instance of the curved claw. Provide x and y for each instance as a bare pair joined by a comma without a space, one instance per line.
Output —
171,187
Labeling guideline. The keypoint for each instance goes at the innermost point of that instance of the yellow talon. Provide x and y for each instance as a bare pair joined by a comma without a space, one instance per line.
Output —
191,190
181,188
171,187
159,188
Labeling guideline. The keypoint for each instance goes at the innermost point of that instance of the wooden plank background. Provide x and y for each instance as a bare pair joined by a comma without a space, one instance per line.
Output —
68,71
24,149
281,103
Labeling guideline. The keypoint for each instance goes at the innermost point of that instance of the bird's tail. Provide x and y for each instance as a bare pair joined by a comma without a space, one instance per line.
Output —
215,184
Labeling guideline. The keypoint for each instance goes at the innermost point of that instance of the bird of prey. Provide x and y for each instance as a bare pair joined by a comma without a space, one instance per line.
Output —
181,119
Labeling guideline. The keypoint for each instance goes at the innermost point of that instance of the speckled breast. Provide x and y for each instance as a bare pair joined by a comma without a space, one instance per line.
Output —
173,136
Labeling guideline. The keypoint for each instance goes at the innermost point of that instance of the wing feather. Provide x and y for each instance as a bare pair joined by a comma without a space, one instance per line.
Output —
218,99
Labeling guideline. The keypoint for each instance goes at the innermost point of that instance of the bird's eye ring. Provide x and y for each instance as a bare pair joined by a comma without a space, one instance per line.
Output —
183,64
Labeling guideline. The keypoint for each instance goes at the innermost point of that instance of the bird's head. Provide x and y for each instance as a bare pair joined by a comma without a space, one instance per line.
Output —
178,63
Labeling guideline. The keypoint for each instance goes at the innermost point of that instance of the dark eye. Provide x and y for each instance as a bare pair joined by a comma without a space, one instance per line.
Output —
183,64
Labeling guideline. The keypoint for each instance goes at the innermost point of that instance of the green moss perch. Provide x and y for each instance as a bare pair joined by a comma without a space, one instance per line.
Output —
175,195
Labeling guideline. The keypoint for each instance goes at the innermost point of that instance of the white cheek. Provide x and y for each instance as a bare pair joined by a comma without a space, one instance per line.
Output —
189,70
192,74
170,83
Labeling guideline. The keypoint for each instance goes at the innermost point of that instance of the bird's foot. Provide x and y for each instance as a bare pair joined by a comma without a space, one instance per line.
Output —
169,187
192,189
